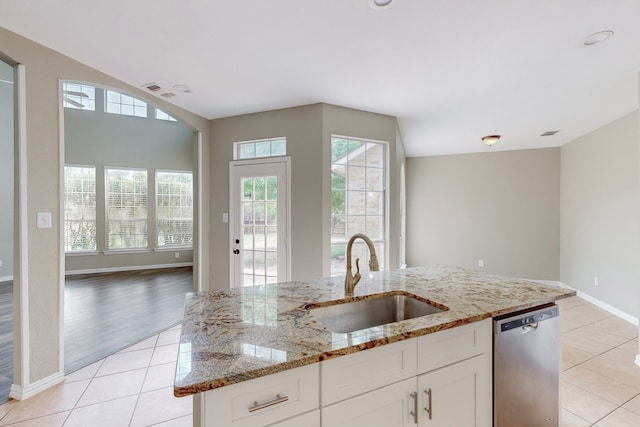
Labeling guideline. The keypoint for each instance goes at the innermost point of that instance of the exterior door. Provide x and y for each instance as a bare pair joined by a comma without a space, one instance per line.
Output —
259,206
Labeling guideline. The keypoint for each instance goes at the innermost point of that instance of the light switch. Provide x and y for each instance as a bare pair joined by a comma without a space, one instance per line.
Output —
44,220
225,217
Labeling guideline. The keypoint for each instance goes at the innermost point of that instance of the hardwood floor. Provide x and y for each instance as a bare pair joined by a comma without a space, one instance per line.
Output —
6,339
105,313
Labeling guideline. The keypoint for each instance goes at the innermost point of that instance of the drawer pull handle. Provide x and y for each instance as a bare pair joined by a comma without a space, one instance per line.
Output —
428,408
257,406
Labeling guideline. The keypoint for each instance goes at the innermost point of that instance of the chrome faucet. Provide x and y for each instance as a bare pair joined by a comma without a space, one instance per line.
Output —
350,281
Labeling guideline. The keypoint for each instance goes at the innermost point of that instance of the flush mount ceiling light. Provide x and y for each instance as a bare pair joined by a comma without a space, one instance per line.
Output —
490,139
377,4
182,88
599,37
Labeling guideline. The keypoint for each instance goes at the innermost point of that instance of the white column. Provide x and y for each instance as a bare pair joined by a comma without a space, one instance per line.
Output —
638,113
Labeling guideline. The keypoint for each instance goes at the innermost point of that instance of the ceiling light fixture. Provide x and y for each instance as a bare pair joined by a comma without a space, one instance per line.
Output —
182,88
380,3
596,38
490,139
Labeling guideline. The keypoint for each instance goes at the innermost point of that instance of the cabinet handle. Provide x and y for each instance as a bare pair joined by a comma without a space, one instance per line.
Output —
414,413
428,408
257,406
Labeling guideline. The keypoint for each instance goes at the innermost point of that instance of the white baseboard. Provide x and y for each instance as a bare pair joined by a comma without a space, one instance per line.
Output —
6,278
20,393
127,268
603,305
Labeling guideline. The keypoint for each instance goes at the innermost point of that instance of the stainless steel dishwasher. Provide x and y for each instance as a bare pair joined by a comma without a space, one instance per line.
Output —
526,364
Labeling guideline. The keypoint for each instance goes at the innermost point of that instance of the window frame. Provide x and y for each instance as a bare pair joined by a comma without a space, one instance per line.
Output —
377,241
237,148
157,246
94,250
120,104
107,192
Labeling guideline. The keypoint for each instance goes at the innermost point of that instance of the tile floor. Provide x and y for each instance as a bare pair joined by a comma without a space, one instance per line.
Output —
133,387
600,384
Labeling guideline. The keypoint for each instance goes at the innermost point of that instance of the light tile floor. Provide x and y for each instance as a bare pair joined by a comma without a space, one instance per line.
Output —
132,388
600,383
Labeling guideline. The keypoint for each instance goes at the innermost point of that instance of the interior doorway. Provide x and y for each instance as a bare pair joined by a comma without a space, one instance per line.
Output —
130,229
7,120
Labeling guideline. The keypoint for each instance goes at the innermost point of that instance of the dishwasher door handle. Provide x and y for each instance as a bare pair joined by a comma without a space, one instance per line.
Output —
530,327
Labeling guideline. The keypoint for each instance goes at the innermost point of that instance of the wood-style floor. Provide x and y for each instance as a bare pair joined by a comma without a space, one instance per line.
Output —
6,339
105,313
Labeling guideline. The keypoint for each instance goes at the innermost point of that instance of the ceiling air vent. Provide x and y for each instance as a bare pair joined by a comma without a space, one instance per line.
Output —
550,133
168,95
152,87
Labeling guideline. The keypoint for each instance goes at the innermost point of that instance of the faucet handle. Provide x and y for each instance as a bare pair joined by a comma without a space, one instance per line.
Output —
357,276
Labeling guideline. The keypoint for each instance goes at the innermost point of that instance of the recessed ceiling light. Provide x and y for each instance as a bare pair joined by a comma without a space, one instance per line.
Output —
599,37
376,4
182,88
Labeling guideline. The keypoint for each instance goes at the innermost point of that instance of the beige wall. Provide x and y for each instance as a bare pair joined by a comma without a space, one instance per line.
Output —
308,131
102,139
502,207
600,214
44,69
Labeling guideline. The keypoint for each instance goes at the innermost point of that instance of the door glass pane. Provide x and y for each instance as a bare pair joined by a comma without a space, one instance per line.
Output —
260,242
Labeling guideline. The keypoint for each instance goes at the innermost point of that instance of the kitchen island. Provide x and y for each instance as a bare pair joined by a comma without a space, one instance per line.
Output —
243,335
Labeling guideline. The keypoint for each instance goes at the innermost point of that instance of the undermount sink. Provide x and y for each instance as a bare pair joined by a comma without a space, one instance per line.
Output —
350,315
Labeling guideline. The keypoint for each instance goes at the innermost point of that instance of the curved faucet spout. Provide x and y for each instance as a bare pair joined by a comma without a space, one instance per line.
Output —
350,281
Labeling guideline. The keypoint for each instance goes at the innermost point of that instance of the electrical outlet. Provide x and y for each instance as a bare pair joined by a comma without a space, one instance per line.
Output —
177,255
0,263
595,281
481,263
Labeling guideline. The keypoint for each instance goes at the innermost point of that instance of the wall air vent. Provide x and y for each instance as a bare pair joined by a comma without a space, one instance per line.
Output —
152,87
168,95
550,133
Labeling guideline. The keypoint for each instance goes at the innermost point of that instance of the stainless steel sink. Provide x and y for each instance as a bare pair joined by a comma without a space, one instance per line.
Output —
365,312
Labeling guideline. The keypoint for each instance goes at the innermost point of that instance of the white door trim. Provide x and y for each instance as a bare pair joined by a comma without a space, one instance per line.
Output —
265,160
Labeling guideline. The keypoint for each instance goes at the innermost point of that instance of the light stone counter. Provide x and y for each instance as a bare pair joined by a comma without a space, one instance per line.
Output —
245,333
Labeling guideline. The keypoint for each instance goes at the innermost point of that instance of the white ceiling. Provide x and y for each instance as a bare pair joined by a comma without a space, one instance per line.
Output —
451,71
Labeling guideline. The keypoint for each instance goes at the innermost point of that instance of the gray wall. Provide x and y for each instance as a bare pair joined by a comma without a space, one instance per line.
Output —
502,207
6,170
308,131
600,214
102,139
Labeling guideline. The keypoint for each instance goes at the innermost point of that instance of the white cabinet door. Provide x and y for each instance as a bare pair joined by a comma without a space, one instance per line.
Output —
310,419
456,395
388,406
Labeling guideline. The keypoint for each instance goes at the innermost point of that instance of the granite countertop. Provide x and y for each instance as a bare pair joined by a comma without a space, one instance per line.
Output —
244,333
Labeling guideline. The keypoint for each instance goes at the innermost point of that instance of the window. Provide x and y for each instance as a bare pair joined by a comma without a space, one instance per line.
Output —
262,148
76,95
357,199
119,103
161,115
126,206
174,209
79,208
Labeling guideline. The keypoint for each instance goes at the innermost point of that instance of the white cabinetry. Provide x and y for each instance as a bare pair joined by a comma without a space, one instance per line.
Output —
456,395
451,379
446,375
264,401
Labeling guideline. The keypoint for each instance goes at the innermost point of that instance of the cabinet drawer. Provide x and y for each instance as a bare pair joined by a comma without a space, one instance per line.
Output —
367,370
452,345
253,403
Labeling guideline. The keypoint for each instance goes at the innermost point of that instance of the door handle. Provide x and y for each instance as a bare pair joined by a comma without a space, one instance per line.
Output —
428,408
414,413
236,251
